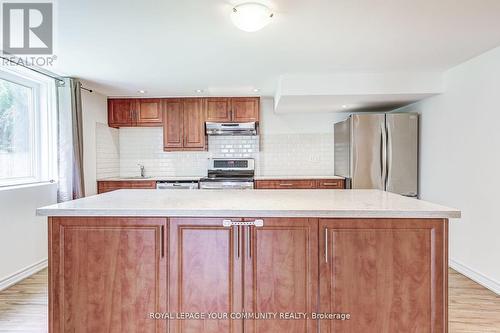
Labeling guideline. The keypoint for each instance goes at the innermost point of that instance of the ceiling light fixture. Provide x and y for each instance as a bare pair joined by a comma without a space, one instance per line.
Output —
199,90
141,91
256,90
344,106
251,16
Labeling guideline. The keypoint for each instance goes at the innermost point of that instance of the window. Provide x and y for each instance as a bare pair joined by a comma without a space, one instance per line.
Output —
27,135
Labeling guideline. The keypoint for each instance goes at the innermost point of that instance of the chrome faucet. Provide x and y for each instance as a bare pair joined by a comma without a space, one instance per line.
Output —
143,171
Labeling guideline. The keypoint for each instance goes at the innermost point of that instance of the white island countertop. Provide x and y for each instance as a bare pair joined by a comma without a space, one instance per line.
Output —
251,203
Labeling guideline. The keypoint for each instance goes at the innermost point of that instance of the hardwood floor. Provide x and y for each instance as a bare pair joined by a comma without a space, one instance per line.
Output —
473,309
23,307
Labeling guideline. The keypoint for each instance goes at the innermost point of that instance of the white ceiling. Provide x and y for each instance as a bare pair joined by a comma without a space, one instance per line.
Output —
355,91
173,47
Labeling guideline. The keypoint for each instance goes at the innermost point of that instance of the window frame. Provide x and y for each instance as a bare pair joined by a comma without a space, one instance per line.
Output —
43,125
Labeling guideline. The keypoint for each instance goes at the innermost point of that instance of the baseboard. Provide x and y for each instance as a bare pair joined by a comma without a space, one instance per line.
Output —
483,280
22,274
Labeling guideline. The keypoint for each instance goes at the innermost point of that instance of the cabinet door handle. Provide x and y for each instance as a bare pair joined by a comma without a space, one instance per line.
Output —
249,240
236,225
326,245
162,230
286,184
330,184
255,223
237,241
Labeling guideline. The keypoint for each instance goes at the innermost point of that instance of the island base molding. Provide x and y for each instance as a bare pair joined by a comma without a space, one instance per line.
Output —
142,274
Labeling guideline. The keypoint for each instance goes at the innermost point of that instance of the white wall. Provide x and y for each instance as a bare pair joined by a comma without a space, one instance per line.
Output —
460,163
108,151
23,235
94,107
297,143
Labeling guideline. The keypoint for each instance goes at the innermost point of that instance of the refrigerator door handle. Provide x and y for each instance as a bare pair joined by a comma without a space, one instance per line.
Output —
389,156
383,155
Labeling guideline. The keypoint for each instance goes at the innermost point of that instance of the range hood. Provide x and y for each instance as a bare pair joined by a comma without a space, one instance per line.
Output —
231,128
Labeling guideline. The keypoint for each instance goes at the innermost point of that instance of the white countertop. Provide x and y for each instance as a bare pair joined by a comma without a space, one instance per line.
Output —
296,177
173,178
250,203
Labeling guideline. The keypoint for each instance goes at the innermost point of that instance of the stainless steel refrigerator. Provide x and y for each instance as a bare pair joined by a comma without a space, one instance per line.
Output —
378,151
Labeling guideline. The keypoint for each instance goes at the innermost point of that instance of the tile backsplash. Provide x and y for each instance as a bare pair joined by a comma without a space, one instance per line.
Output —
274,154
145,146
234,146
297,155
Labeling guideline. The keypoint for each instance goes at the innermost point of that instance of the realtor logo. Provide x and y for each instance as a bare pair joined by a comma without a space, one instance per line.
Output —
27,28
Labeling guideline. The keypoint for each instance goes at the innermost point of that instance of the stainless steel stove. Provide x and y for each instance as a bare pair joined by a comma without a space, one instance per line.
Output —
229,174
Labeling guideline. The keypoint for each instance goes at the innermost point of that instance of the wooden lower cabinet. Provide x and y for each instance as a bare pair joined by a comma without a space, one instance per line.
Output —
330,184
388,275
104,186
107,274
284,184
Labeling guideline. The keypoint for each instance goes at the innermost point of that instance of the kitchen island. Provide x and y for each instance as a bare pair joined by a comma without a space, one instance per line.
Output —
248,261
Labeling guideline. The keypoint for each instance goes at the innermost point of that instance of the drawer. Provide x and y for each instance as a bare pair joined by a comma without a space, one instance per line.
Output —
285,184
330,183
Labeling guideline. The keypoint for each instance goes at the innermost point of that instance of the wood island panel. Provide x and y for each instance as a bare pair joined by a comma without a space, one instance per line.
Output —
281,273
390,275
107,274
205,274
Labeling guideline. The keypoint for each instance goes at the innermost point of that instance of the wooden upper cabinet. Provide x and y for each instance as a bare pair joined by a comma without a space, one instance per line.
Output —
194,124
281,273
173,125
387,274
245,109
184,124
149,112
131,112
219,109
121,112
107,274
205,274
233,109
